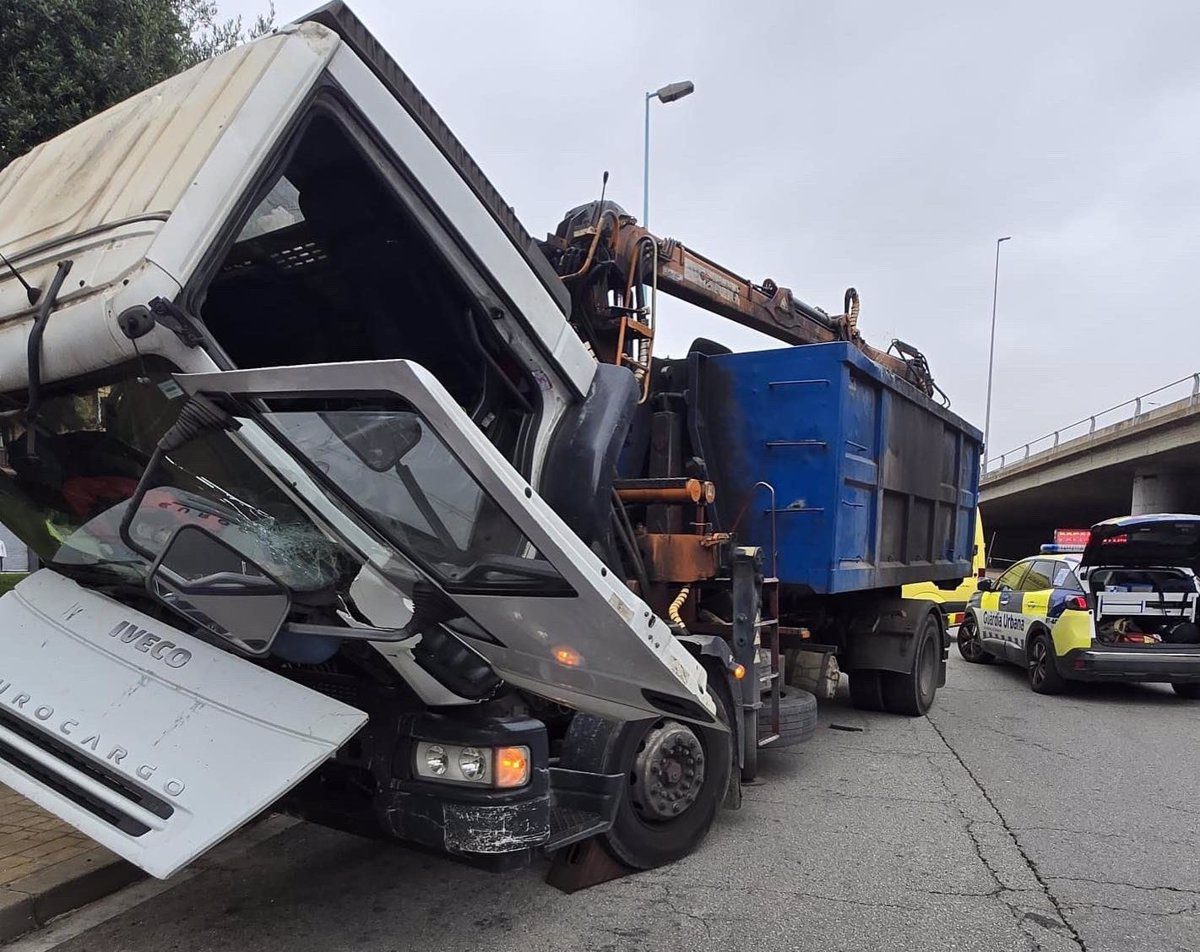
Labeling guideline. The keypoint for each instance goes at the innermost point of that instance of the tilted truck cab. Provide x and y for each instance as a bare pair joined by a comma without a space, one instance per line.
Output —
337,510
296,211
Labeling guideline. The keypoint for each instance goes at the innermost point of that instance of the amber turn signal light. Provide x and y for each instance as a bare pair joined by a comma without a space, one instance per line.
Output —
512,766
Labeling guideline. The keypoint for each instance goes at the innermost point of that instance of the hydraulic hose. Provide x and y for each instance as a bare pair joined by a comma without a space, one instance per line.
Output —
673,610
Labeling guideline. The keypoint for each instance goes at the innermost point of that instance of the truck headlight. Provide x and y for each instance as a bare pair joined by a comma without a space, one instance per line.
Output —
435,759
472,763
505,768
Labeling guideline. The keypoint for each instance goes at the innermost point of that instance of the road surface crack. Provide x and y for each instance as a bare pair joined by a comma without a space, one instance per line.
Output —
1025,857
1029,742
1110,882
1061,829
908,907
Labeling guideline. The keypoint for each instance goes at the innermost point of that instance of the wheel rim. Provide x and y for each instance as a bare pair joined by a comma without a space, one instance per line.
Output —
1037,667
668,773
969,640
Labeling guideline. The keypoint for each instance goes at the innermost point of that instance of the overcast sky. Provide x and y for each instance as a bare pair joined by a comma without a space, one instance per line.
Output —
880,145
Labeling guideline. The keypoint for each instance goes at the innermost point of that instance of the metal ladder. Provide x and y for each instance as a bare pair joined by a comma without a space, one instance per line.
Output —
756,613
768,627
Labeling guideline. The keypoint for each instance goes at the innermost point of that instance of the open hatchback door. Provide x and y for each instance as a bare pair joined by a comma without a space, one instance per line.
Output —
1144,567
452,535
1149,541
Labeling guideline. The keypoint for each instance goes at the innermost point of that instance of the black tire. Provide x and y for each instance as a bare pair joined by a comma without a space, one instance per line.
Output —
913,693
797,718
1041,667
1187,689
866,691
635,839
970,644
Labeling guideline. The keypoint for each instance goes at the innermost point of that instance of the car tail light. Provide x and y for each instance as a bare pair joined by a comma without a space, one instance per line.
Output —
981,572
1077,602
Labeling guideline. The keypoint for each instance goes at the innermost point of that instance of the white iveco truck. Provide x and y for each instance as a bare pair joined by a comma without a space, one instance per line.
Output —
336,509
272,415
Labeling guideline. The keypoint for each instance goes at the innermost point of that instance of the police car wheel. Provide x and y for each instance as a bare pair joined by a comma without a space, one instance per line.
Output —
1187,689
1043,672
970,643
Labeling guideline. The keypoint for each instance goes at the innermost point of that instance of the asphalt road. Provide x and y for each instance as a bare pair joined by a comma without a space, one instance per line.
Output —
1002,821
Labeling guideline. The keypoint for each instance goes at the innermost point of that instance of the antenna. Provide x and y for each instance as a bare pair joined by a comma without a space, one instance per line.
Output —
34,293
600,204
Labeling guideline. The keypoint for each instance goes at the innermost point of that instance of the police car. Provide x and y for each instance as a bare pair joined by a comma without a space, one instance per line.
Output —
1120,608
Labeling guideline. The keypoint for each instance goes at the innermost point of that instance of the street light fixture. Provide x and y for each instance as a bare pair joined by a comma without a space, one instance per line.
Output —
987,419
665,94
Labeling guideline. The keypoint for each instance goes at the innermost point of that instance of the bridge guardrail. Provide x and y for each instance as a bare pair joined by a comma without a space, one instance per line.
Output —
1140,405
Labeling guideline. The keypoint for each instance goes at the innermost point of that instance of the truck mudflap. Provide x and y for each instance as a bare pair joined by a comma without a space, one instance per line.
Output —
151,742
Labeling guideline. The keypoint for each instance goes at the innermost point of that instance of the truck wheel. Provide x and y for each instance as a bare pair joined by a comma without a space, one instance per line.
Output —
970,644
866,692
913,693
678,775
1043,673
797,719
1187,689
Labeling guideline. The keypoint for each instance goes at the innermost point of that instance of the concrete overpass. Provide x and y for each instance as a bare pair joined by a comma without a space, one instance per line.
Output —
1139,456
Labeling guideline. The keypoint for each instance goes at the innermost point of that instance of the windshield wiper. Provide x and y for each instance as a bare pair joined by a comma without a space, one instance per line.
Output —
107,573
199,415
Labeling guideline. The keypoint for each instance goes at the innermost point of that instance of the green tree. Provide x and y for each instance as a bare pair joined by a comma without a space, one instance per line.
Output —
62,61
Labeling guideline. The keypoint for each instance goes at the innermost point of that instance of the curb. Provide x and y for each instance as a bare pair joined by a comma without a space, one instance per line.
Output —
30,902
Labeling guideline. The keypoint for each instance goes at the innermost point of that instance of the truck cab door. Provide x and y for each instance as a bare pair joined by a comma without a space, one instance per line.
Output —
478,550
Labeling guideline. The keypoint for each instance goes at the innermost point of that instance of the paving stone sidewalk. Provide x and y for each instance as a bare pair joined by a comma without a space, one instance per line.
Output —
32,840
47,868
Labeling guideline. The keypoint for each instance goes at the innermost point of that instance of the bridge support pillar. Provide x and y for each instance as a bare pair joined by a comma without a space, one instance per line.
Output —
1157,491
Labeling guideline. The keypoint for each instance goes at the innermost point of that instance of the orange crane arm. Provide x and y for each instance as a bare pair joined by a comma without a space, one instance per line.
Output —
609,260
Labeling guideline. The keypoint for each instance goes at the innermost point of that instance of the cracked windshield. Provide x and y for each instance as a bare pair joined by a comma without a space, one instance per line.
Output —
65,486
66,494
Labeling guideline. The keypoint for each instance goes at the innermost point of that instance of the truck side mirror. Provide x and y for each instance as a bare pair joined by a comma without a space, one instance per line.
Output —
213,585
984,585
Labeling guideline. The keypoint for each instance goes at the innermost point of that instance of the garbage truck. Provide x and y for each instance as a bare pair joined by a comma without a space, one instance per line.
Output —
352,499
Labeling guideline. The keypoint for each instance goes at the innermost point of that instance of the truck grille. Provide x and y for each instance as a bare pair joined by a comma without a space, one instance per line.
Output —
91,786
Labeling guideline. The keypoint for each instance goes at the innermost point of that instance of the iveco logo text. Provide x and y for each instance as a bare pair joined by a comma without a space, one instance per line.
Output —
104,749
167,652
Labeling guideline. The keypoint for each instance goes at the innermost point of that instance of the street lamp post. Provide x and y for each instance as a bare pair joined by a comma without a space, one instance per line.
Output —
668,93
987,418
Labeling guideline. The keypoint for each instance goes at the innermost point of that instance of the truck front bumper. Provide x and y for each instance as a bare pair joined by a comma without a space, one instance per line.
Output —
493,828
1173,663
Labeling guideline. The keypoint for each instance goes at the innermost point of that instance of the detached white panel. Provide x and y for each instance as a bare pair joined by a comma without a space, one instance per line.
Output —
152,742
